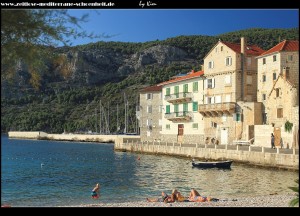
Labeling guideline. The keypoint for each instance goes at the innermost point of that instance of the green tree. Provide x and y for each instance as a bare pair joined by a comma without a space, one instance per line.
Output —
295,201
28,38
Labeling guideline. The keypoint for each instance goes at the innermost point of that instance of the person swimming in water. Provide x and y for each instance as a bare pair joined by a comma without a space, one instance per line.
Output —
95,191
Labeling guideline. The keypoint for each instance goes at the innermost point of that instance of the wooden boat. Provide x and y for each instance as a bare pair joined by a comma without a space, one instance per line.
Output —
212,164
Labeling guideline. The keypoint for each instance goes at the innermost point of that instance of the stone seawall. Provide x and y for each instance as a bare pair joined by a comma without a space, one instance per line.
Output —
68,137
265,159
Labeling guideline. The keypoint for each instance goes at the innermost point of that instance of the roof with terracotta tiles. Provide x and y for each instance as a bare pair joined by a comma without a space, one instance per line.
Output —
251,49
154,88
182,78
286,45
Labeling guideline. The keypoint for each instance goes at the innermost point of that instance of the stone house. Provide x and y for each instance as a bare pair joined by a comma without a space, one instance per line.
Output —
270,64
150,113
229,108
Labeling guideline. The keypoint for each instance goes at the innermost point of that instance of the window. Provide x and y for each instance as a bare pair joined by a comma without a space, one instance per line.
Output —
224,118
279,112
195,106
185,107
210,64
264,61
249,80
264,78
210,100
195,86
249,60
167,109
227,79
228,61
227,98
274,76
218,99
176,91
176,108
274,58
168,91
168,127
160,108
195,125
149,109
210,83
221,48
185,88
263,96
216,49
149,96
149,122
237,117
290,58
277,92
213,124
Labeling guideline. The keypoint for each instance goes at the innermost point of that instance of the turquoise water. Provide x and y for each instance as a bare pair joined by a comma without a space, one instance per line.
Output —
71,169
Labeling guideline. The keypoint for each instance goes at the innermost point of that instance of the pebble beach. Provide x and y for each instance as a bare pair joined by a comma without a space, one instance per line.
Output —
257,201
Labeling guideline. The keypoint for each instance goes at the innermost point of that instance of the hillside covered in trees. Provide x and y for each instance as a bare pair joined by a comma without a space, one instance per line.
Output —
81,79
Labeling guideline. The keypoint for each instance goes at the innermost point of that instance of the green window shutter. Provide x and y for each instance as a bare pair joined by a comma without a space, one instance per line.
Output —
195,106
185,107
176,108
168,91
176,91
167,108
195,86
185,88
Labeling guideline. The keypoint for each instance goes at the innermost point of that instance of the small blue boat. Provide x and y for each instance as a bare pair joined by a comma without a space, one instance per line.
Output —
212,164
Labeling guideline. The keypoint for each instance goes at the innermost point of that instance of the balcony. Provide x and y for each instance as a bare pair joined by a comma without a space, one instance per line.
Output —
183,97
182,116
217,109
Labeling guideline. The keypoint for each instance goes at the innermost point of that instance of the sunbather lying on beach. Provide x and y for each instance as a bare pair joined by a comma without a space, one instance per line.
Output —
163,197
196,197
175,196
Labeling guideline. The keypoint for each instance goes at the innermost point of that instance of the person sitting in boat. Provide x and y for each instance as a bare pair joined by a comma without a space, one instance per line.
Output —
95,191
196,197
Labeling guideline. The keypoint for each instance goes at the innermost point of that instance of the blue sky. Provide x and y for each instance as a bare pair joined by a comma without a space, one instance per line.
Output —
141,25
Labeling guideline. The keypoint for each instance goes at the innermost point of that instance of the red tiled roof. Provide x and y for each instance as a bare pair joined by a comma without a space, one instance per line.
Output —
285,45
251,50
189,76
154,88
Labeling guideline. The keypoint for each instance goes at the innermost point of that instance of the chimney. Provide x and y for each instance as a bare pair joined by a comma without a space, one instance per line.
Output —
243,45
202,67
193,71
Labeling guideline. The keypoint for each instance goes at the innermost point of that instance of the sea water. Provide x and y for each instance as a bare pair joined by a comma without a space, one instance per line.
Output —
53,173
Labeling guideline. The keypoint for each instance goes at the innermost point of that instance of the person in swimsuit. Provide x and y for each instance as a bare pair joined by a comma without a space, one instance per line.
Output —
95,191
196,197
163,197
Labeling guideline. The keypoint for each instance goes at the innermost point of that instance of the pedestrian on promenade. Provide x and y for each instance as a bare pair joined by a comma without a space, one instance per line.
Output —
272,140
281,143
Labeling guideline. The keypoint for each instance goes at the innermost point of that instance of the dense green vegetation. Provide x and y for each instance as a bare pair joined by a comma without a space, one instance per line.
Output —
58,106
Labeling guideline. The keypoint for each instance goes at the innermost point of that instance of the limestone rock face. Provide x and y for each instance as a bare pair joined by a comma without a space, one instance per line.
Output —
97,66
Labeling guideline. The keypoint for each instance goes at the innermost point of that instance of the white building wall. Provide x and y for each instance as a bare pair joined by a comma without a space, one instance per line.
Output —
197,117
